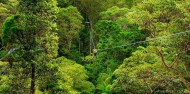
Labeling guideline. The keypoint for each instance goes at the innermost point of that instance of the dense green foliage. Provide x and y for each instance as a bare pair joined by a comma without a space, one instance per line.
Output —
94,46
145,74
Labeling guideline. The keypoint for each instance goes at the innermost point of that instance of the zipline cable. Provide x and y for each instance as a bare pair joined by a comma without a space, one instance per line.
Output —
14,49
152,39
9,52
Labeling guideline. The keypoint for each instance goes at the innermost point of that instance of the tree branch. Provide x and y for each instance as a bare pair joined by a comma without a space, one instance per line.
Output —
175,69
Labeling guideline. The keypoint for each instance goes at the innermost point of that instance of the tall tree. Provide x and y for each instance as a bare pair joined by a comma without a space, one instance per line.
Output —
31,31
69,26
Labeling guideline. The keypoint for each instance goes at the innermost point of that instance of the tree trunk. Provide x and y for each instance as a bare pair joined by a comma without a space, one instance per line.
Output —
32,87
